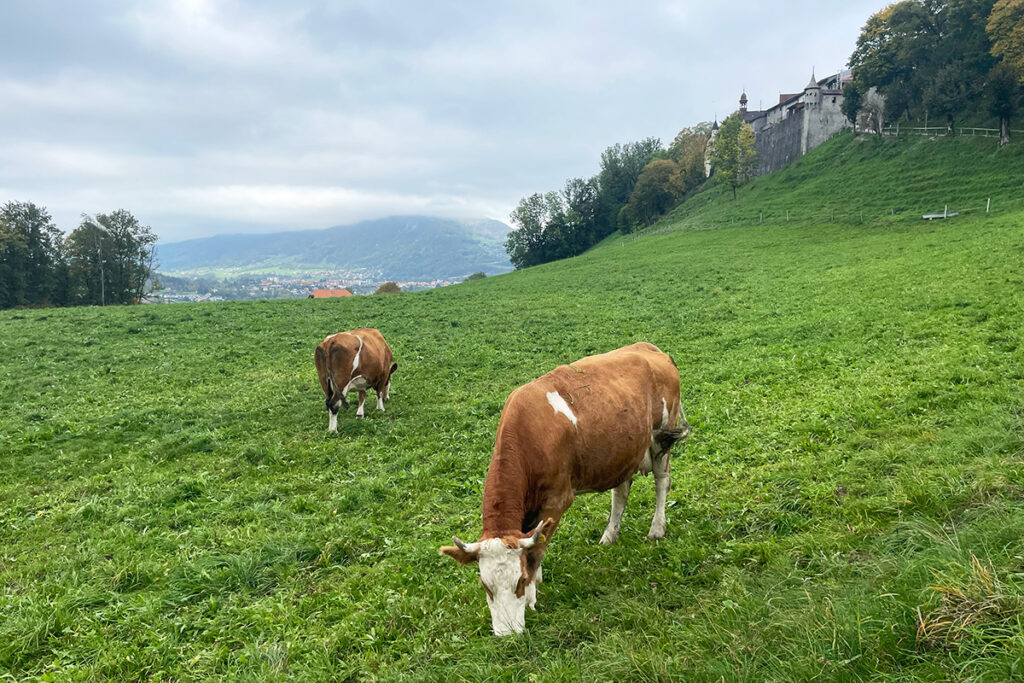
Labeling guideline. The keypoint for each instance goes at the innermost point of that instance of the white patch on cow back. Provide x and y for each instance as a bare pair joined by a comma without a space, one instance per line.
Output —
560,406
500,570
355,361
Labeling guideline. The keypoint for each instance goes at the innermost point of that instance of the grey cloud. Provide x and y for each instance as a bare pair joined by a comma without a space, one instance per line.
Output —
204,115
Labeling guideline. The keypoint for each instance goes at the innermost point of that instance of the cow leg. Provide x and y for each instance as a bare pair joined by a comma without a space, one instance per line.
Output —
620,494
387,391
362,400
380,400
660,469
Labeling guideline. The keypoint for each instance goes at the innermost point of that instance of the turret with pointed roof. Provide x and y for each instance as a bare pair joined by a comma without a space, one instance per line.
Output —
798,123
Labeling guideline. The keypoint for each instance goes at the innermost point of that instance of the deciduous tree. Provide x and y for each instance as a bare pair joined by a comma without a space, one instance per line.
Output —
734,156
1005,27
689,149
1004,95
949,94
852,101
31,257
112,262
659,188
535,218
620,168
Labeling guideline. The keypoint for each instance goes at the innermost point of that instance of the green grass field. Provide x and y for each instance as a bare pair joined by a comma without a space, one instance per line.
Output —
850,505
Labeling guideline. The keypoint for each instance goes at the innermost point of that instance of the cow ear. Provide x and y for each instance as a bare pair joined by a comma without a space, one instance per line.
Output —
463,553
394,366
459,555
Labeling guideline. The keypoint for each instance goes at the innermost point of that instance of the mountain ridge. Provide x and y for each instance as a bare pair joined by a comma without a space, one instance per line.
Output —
395,247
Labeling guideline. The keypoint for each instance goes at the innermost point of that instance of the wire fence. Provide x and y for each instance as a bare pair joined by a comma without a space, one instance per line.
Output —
941,131
869,215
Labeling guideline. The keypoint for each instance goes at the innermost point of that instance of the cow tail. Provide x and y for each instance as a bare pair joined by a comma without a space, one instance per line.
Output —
323,361
667,437
331,382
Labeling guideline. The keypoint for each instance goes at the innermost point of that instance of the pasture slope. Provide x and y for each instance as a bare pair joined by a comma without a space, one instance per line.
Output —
850,505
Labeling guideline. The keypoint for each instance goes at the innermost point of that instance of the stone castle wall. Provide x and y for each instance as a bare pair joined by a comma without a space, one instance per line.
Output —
779,145
786,141
824,121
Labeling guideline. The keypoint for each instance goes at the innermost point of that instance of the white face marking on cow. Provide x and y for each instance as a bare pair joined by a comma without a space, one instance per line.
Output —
560,406
500,570
664,414
332,425
355,361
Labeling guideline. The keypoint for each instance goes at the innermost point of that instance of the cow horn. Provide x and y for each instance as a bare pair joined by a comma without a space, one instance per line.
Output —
532,539
470,548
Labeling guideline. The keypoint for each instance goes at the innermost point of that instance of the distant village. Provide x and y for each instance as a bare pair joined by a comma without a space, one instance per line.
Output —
178,289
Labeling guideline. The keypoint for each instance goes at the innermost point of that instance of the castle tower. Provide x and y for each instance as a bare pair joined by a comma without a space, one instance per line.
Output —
709,147
812,93
743,102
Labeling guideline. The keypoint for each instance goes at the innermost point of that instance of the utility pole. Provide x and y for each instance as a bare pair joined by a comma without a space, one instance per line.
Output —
99,252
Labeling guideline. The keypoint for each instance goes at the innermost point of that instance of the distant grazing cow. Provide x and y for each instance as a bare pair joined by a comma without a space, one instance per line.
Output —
584,427
354,361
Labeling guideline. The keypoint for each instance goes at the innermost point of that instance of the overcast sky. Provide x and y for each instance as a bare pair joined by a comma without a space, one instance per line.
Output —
210,116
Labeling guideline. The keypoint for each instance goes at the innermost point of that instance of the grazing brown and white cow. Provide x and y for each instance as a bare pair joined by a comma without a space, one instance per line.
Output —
584,427
356,360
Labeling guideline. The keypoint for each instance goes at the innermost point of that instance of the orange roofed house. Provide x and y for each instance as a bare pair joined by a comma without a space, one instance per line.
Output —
328,293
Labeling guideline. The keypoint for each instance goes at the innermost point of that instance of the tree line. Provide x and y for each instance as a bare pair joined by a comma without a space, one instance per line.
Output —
637,183
945,60
108,259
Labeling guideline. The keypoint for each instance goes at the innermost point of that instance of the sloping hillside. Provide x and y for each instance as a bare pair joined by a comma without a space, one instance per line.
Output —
850,505
400,247
865,180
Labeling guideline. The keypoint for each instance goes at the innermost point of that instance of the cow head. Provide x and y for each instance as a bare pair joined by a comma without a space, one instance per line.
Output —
508,574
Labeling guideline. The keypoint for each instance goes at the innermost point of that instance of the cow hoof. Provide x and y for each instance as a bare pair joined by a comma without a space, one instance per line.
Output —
608,539
656,535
